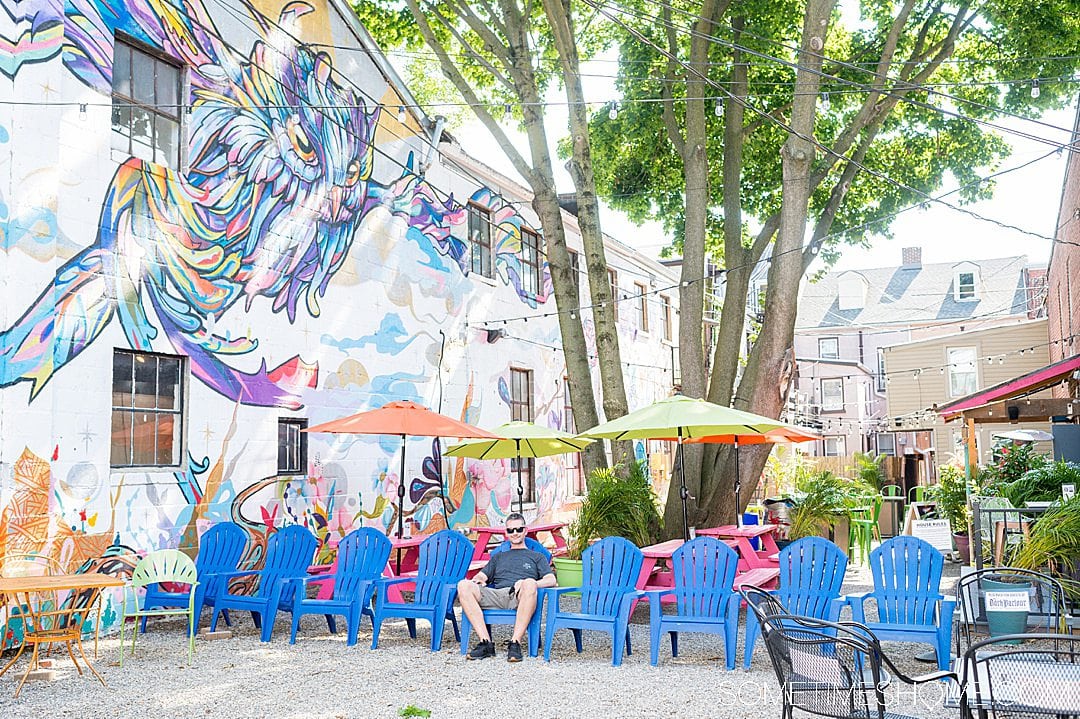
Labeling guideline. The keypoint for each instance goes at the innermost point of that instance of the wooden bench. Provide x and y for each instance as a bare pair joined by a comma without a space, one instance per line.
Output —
766,578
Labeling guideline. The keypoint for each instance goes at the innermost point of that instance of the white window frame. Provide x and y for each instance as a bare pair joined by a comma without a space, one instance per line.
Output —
131,404
956,367
966,291
886,450
839,446
826,406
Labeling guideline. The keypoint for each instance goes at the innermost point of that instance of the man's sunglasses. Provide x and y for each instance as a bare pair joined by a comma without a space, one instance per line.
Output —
515,530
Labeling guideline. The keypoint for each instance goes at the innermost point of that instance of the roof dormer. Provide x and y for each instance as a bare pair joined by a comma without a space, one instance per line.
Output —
851,290
966,282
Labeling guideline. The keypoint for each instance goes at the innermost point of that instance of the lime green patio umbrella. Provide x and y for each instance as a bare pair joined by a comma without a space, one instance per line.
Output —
681,418
517,440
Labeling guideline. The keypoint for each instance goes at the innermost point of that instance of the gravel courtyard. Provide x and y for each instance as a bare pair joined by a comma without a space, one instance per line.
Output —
320,677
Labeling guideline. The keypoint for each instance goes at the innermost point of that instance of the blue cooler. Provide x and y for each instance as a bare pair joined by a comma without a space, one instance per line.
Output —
749,518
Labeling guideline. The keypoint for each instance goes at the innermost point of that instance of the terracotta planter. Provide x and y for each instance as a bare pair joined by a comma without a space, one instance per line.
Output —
963,547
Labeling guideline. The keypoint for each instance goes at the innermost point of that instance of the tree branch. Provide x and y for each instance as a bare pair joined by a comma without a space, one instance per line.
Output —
667,113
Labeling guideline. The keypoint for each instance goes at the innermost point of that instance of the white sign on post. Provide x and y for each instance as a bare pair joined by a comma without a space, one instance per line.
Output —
934,531
1007,601
1068,491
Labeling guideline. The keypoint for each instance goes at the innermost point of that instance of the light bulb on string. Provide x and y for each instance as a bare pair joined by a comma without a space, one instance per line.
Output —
718,110
401,114
613,111
1035,91
82,110
506,110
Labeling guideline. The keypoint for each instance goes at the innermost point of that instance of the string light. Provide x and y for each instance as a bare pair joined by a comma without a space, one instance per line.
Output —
1035,91
401,114
506,110
718,109
613,111
82,111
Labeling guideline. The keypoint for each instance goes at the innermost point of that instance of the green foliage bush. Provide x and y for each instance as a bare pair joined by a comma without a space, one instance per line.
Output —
1042,484
951,496
1055,544
617,503
820,499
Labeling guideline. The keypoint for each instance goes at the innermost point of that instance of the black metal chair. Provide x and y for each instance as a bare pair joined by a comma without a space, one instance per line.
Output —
1046,603
832,669
1022,676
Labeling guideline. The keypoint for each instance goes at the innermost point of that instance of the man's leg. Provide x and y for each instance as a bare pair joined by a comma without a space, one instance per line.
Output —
526,598
469,596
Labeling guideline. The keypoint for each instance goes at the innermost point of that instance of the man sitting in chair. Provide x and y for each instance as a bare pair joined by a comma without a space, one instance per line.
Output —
508,581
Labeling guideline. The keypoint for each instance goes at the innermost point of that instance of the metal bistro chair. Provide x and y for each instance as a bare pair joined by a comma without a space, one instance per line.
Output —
1038,679
832,669
1046,612
164,565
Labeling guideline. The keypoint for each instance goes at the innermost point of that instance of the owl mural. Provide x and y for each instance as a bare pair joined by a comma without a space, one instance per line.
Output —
279,178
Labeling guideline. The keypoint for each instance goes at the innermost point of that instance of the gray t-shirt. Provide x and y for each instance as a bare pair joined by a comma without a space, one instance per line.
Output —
506,567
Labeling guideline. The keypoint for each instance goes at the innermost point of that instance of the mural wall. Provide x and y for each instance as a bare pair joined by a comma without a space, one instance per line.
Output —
298,258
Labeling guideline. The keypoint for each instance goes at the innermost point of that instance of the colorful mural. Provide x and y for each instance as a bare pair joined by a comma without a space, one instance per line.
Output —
299,260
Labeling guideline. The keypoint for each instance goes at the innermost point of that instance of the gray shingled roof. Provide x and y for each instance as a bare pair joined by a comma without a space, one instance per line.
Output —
902,295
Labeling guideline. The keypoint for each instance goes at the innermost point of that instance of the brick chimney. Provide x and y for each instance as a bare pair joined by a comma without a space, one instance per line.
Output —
911,257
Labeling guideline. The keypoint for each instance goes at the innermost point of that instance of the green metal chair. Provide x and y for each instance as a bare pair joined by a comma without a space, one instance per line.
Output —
917,494
164,565
863,528
892,490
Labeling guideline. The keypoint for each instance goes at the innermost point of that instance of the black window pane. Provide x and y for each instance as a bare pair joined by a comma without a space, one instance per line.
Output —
168,382
145,382
120,450
121,80
142,77
122,362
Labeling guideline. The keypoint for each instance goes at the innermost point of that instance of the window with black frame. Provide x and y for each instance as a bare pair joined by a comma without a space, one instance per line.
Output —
146,101
480,241
530,262
521,410
147,409
292,445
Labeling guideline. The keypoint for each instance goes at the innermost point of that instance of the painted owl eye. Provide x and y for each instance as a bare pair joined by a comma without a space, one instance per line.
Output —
301,143
352,176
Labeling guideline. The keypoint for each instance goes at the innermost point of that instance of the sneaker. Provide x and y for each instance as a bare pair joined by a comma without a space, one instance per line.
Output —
483,650
513,651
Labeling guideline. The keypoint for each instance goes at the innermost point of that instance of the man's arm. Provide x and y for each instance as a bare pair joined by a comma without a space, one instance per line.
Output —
548,580
480,578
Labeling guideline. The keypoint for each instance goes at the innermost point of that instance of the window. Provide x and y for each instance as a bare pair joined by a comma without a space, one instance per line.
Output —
965,286
963,378
530,262
886,443
828,347
832,395
480,241
879,380
835,446
665,316
574,470
291,446
643,306
613,281
521,410
851,291
147,409
145,105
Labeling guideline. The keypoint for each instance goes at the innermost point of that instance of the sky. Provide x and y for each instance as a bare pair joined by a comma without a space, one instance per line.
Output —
1027,198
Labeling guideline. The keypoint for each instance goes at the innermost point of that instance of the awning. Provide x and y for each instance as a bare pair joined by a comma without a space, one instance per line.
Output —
1025,384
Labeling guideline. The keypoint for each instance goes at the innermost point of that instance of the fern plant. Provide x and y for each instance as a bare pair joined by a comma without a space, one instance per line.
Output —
1055,544
618,503
821,498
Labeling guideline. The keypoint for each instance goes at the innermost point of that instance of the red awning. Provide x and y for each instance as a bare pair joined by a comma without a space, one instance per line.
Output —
1024,384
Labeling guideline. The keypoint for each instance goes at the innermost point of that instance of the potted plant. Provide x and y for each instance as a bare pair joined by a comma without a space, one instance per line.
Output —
821,502
1054,545
618,503
951,496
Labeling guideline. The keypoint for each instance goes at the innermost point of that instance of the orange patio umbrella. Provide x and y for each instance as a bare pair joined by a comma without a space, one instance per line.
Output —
407,419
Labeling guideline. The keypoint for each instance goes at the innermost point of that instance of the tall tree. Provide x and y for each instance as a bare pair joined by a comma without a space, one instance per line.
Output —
506,54
851,123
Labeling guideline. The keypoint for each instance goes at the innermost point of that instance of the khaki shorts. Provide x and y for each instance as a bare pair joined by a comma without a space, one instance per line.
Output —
498,598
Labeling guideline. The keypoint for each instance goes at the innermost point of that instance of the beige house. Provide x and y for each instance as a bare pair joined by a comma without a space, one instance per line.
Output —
924,374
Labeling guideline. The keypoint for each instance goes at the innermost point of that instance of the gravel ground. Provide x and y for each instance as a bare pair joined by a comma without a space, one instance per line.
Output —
320,677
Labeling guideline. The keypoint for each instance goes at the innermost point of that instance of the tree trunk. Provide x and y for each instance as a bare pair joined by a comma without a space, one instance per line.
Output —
581,170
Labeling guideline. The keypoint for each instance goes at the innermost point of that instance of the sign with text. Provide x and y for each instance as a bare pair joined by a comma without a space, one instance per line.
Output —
998,601
1068,491
934,531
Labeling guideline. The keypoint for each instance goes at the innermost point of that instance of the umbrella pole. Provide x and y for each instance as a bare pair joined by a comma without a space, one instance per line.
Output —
401,503
738,485
521,490
683,492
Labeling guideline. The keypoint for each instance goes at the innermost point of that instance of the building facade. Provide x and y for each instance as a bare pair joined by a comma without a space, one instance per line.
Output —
225,222
847,320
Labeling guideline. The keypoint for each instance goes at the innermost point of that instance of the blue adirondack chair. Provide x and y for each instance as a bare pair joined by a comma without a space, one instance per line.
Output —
361,558
509,616
289,552
910,605
609,571
811,573
704,571
220,549
444,561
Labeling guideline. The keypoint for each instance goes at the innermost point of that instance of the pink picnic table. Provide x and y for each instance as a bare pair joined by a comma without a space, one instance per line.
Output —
409,550
485,541
766,558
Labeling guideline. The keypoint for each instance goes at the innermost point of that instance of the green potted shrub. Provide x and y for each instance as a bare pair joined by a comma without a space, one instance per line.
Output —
617,503
951,496
821,502
1054,546
1042,483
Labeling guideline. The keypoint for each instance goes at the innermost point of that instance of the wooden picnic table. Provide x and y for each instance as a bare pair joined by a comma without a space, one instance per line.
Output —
655,576
409,550
55,621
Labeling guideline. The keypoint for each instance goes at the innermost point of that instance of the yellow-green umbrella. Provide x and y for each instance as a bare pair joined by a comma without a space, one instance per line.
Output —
517,440
681,418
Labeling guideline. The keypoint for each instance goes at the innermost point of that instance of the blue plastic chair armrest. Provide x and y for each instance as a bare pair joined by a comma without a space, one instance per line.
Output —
654,595
387,581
